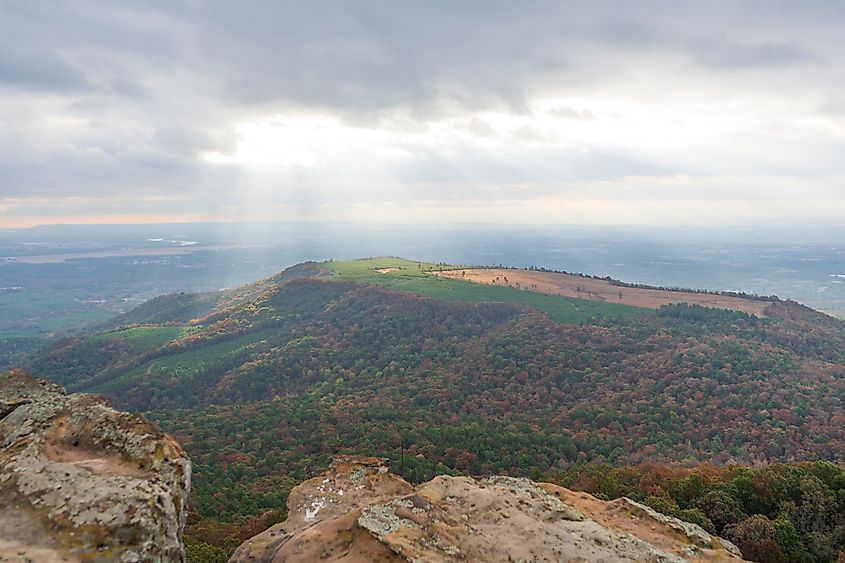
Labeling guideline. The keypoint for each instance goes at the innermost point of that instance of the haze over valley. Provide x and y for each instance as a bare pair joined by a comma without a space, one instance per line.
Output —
59,280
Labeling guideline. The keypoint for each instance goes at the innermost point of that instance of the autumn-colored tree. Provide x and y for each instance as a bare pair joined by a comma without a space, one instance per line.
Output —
755,537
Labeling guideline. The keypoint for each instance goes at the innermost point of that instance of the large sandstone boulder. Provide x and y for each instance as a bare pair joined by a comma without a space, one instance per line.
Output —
358,511
80,481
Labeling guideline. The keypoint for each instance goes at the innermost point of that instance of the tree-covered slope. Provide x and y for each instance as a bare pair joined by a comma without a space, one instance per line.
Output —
686,383
791,512
441,375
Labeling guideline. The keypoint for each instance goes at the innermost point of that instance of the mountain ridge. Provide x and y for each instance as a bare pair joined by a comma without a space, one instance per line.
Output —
448,377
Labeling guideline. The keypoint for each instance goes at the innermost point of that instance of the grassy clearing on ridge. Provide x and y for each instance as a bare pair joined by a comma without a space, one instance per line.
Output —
146,337
414,277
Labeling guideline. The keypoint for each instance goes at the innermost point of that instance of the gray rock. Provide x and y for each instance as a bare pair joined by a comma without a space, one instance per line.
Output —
82,481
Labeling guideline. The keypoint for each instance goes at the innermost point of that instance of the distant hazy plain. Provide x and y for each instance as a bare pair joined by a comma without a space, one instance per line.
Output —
59,278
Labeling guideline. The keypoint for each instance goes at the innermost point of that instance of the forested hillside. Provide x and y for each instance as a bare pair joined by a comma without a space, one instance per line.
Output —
264,384
774,513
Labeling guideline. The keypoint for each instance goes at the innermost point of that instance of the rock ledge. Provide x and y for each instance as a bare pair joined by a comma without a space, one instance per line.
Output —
80,481
358,511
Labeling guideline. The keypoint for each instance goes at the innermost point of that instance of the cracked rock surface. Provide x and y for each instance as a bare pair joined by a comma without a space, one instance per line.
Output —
358,511
80,481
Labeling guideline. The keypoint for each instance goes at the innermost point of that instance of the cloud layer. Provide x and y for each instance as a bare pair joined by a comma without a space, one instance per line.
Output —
593,112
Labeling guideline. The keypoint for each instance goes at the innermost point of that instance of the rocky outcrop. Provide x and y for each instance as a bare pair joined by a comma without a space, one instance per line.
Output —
358,511
80,481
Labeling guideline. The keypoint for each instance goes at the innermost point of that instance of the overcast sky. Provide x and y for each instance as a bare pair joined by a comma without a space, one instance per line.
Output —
629,112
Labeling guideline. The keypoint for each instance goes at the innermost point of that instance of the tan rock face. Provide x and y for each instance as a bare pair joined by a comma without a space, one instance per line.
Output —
323,514
80,481
357,511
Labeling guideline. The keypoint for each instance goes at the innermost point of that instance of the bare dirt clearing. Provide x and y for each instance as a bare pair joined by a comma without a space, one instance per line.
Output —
569,285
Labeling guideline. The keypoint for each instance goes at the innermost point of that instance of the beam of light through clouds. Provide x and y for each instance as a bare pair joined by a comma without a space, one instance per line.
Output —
647,112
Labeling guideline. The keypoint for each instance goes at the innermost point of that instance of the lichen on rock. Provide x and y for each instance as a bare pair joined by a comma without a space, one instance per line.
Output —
80,481
380,517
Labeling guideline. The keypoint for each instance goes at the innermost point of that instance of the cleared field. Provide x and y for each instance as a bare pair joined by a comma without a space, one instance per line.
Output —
569,285
146,337
415,277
